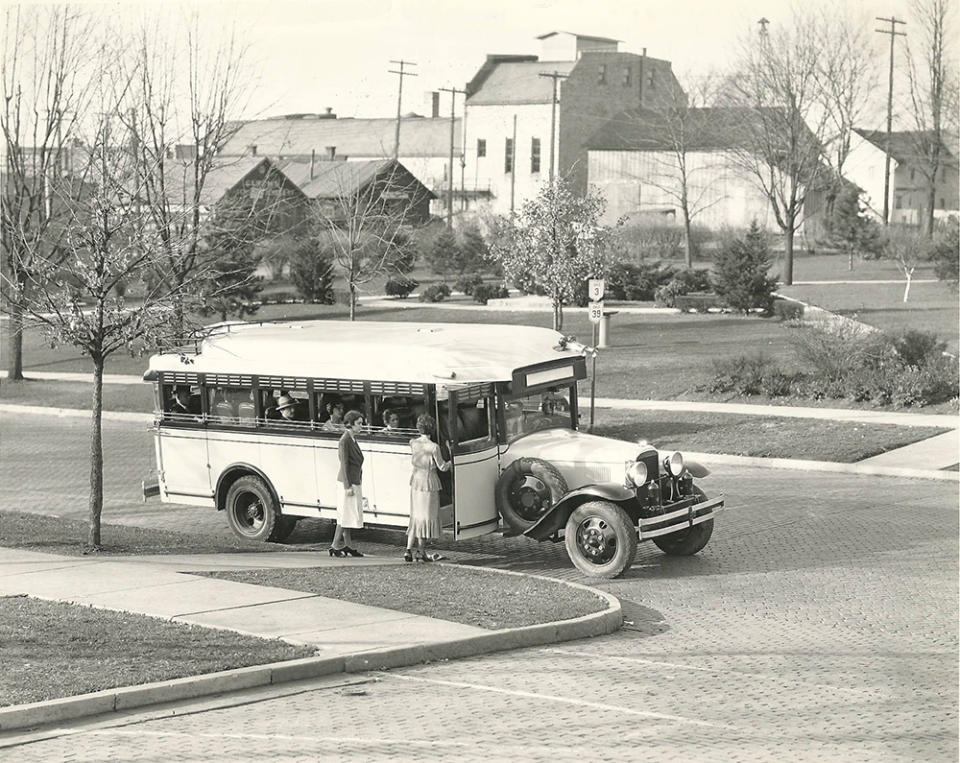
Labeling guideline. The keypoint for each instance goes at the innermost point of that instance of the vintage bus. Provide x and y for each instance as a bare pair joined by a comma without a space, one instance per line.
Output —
504,397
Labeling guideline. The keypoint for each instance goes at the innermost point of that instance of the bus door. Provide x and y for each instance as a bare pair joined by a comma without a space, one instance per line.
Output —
471,429
182,442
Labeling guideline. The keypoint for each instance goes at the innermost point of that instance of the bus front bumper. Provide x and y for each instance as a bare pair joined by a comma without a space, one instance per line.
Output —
680,516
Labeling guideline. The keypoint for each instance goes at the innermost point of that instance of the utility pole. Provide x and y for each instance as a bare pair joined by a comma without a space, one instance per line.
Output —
402,73
892,31
513,168
555,76
453,129
463,161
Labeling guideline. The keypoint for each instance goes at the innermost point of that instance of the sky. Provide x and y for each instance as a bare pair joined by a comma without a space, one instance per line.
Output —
307,55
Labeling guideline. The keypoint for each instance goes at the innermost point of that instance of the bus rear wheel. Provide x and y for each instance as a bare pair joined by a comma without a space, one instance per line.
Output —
251,509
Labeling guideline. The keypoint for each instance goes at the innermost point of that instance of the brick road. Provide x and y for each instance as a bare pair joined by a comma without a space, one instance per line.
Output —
820,623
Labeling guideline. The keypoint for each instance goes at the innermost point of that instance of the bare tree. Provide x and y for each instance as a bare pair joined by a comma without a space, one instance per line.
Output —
46,89
102,241
362,224
780,146
684,161
932,87
179,116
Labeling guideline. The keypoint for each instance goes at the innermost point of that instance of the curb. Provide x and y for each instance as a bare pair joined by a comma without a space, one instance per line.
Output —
795,464
125,698
799,465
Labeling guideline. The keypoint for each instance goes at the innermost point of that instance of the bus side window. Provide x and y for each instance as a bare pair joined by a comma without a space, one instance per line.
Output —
181,402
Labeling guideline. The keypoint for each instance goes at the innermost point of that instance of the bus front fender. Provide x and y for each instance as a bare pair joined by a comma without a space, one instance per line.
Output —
556,517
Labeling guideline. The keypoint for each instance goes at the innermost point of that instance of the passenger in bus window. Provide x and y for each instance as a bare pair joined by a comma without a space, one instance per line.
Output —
335,423
424,491
286,408
391,421
349,481
184,403
247,410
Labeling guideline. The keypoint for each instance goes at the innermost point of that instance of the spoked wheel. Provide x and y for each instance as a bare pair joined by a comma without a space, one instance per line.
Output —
601,540
526,490
251,510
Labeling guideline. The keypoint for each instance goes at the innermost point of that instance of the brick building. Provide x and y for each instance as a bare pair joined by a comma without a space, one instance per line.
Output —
595,82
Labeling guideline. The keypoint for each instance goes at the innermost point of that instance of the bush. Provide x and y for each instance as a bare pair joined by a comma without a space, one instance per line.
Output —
918,348
435,293
637,281
787,310
683,282
699,302
835,352
311,271
400,287
741,273
742,374
484,292
468,283
945,252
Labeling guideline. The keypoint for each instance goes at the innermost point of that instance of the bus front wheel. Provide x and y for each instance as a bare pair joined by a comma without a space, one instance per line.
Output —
601,540
251,509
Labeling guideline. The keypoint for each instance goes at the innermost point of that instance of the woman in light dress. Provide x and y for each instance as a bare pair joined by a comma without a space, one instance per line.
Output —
349,496
424,491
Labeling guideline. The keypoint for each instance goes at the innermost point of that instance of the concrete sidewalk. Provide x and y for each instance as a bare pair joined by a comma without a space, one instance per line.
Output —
348,637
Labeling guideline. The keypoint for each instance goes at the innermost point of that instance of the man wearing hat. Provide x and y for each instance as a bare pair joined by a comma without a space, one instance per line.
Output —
286,408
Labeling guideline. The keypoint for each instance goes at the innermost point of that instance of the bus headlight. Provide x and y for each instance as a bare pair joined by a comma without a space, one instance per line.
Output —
674,464
636,474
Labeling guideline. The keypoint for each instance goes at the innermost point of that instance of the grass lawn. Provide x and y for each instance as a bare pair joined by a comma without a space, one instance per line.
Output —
770,437
461,594
932,306
54,649
833,267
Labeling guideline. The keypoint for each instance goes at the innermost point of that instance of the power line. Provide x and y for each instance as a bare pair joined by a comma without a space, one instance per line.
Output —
402,73
892,31
453,104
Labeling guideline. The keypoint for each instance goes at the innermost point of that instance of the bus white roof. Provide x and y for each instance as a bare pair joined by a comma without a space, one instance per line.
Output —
425,353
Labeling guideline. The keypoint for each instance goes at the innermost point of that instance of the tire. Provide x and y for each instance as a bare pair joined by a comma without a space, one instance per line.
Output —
526,490
601,539
251,509
283,529
689,541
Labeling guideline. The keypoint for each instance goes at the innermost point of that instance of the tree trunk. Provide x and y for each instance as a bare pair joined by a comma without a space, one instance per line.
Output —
687,248
15,339
557,314
928,219
906,289
850,259
96,457
787,275
353,302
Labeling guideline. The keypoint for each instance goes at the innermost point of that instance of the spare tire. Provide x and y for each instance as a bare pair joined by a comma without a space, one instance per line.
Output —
526,490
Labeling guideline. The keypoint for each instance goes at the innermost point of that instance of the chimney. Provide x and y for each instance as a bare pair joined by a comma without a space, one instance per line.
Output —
432,103
313,161
252,148
331,153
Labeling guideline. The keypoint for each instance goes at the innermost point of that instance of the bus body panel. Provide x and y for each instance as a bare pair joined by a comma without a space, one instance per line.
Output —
389,503
185,473
474,503
582,459
226,448
290,464
327,466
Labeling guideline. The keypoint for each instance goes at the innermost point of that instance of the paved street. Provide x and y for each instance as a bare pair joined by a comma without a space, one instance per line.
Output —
820,623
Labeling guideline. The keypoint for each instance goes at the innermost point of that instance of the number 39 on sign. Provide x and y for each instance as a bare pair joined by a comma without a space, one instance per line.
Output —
596,312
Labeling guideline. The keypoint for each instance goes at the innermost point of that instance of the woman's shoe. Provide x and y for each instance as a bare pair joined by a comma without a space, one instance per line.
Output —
408,555
337,551
425,557
347,551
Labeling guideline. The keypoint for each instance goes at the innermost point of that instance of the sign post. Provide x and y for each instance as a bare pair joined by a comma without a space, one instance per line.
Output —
595,288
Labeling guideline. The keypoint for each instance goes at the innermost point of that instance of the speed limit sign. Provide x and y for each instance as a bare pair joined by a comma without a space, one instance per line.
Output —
596,312
595,289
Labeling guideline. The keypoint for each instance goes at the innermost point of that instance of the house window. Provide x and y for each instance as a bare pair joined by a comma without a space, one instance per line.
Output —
626,77
508,156
650,80
899,202
943,203
481,147
602,74
535,155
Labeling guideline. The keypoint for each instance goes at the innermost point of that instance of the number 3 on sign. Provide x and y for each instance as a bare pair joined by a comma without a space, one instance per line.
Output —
596,312
595,289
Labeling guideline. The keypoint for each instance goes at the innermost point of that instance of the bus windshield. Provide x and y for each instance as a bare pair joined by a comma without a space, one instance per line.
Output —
544,410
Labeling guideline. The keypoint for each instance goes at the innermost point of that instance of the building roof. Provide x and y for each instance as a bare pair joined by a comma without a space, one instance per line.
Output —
705,129
579,36
335,179
419,353
224,174
517,82
355,138
905,144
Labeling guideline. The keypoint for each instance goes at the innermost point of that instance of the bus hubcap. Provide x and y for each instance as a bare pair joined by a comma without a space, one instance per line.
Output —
251,515
596,540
